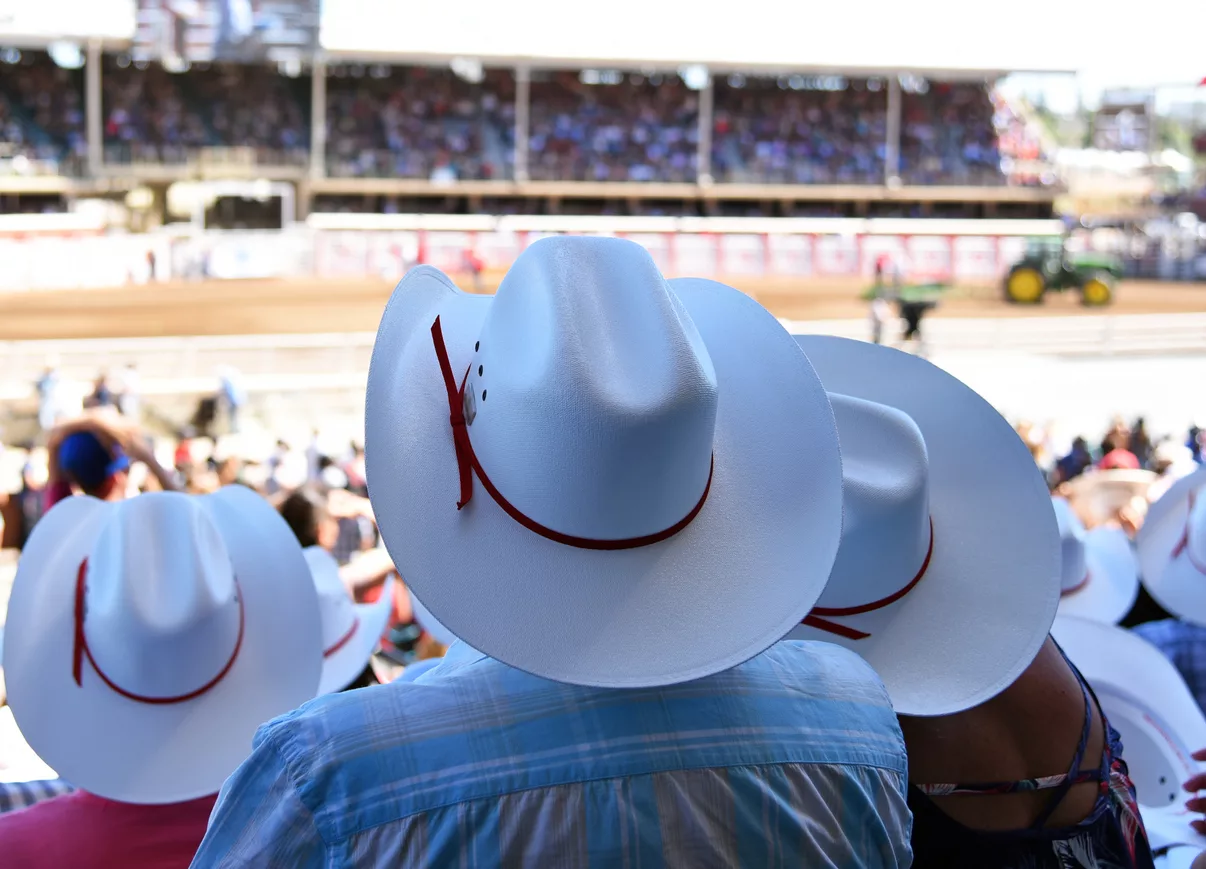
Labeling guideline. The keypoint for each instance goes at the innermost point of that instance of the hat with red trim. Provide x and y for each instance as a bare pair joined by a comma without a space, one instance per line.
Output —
1145,699
1100,574
430,623
148,639
1172,549
597,475
948,575
350,630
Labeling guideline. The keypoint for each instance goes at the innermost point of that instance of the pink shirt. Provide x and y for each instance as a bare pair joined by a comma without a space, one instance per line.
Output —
84,831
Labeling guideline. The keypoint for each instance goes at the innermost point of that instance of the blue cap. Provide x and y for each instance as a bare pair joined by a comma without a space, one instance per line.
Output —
87,463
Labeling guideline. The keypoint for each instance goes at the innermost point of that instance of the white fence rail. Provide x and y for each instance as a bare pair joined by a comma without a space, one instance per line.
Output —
331,361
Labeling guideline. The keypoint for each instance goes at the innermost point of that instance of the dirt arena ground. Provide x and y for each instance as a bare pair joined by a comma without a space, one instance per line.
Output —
307,306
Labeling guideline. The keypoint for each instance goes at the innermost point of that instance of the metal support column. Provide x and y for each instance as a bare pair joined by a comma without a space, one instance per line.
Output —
703,153
523,95
93,109
318,119
892,145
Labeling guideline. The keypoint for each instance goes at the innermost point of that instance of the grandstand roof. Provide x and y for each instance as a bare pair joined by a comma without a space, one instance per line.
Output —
938,38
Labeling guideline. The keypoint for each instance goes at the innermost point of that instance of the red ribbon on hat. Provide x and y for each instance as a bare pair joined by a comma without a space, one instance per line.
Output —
819,616
80,650
1183,543
342,641
468,465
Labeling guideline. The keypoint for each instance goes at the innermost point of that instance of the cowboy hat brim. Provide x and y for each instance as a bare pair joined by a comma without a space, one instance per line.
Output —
1173,582
980,614
341,667
1145,699
430,623
1101,493
136,752
731,583
1113,582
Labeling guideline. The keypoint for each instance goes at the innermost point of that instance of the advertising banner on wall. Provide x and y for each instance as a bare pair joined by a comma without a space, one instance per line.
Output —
929,257
658,245
836,255
789,254
695,255
743,255
975,258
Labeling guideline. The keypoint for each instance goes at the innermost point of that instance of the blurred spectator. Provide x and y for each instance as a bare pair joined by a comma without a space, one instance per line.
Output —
1076,462
50,397
127,387
1139,443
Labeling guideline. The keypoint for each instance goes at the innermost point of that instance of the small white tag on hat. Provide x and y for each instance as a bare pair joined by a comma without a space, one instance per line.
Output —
470,404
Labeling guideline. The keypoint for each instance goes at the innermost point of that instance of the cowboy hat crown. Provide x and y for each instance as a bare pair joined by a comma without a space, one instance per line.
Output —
886,509
1074,567
158,609
591,409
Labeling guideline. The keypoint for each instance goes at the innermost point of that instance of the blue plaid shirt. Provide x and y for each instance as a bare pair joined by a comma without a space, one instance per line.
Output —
22,795
1183,644
792,759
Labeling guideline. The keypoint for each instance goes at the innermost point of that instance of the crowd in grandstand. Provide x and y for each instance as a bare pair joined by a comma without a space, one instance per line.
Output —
430,123
419,122
637,129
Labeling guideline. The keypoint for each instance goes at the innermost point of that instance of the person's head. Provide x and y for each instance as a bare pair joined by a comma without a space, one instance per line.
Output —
229,470
95,469
305,512
1079,445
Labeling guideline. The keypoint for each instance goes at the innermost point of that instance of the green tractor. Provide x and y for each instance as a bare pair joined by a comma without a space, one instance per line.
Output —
1048,266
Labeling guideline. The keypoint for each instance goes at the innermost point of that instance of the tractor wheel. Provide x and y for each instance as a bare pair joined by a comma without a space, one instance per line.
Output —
1025,286
1097,290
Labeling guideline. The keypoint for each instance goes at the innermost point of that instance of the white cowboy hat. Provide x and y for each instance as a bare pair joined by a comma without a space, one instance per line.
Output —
350,631
1100,576
1145,699
948,575
148,639
1172,549
1099,495
1178,857
648,469
429,623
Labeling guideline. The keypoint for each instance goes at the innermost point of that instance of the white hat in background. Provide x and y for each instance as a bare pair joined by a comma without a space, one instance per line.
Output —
350,631
429,623
1177,857
148,639
1145,699
1097,496
1100,577
597,475
948,575
1172,549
